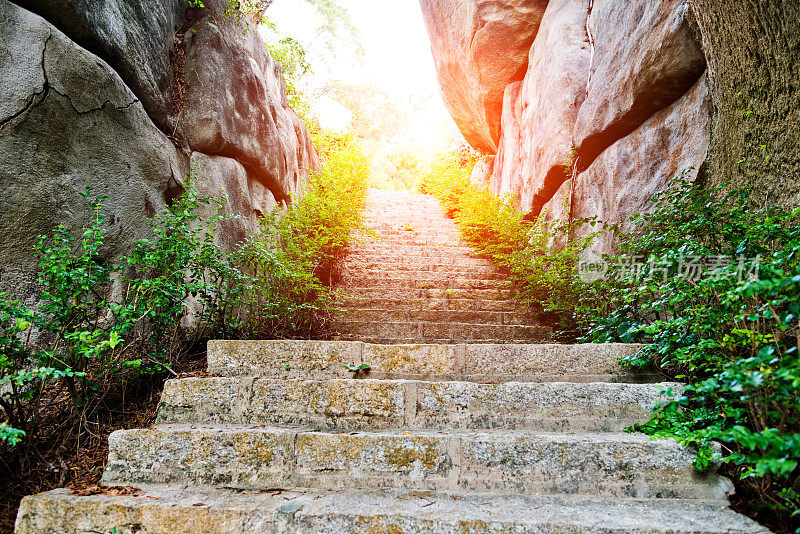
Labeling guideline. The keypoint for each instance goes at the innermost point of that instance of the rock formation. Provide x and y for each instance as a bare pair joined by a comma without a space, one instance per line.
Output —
125,97
612,103
479,47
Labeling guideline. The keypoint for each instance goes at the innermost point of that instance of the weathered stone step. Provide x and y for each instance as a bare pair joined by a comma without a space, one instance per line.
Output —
433,316
378,271
429,304
412,242
440,232
179,510
434,341
346,404
412,249
426,229
379,291
480,363
413,281
454,331
399,268
396,260
613,465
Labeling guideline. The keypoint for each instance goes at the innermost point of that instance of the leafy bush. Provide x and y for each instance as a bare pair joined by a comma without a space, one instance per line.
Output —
540,257
101,325
727,325
293,255
293,59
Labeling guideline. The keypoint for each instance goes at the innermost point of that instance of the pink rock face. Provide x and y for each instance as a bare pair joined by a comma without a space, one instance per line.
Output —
551,95
479,47
507,173
644,58
624,177
482,172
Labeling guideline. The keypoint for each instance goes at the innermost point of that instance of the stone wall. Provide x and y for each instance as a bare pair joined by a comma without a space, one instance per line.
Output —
611,105
125,96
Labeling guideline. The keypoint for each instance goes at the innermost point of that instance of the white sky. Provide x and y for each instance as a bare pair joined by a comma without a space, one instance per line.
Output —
396,53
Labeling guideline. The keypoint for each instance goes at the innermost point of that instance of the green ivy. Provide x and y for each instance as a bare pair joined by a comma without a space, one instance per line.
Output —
731,331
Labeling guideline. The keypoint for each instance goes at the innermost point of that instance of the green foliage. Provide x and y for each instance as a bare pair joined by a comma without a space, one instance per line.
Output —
357,369
101,325
540,257
731,332
293,255
376,115
293,59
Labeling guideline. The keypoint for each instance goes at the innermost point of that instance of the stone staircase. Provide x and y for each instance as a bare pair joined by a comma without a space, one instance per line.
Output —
414,281
440,437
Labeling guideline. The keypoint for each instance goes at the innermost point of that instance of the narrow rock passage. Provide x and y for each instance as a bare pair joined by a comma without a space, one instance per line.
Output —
415,281
450,437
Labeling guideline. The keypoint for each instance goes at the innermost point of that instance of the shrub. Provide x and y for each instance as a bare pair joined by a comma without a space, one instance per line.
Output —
730,331
539,257
92,339
293,255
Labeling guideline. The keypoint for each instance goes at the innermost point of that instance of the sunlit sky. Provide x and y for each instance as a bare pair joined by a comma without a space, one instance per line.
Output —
395,57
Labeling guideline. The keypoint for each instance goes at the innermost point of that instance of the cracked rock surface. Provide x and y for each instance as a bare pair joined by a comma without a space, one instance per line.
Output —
70,122
124,97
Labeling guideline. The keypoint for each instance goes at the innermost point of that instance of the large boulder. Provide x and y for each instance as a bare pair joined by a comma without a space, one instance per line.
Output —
552,93
135,37
622,180
204,77
235,106
244,200
479,47
69,121
644,58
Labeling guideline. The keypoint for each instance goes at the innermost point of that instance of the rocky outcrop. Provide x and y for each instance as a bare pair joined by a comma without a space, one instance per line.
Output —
126,99
609,98
235,106
507,172
479,47
135,37
552,93
644,59
69,121
482,171
621,181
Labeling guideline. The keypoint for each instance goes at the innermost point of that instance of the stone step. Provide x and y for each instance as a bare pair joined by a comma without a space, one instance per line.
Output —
429,232
258,458
433,341
454,331
398,261
491,363
429,304
431,228
347,404
179,510
414,249
394,269
434,316
412,281
413,242
379,291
